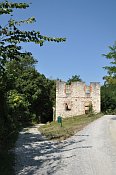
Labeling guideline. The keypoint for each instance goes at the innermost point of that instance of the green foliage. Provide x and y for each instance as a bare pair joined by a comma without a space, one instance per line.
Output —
23,91
16,100
108,90
7,7
11,35
111,70
18,106
25,95
91,112
32,91
108,99
74,78
52,90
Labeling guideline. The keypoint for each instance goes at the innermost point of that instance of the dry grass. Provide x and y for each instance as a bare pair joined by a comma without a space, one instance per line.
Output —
70,126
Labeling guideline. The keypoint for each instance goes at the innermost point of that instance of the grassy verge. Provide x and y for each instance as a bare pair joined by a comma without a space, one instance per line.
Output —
70,126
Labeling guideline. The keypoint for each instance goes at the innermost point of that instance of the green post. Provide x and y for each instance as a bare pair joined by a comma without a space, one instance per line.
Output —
59,119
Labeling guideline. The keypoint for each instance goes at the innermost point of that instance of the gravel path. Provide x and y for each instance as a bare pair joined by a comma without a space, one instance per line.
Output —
91,151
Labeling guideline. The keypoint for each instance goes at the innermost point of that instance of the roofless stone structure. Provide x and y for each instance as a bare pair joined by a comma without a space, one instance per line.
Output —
75,99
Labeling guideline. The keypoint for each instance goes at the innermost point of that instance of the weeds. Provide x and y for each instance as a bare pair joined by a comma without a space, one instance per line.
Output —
69,127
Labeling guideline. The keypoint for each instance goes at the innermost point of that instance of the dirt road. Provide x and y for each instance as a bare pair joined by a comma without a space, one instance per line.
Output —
91,151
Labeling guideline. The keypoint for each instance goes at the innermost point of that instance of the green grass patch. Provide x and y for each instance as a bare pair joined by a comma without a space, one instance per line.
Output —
69,127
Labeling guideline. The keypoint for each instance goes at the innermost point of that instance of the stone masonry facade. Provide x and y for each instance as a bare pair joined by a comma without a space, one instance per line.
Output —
75,99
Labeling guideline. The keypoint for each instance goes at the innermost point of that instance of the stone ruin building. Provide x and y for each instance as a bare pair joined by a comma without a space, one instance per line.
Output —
75,99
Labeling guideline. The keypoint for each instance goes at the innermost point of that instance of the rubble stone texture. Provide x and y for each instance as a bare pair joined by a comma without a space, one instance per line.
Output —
75,99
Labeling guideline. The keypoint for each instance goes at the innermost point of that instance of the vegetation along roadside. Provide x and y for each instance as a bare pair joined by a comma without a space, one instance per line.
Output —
69,127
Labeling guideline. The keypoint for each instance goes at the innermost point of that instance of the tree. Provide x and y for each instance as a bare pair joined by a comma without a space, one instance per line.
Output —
108,99
108,90
111,69
10,38
11,35
74,78
31,91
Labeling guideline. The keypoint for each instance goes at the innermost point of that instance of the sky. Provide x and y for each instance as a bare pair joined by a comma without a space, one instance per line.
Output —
89,27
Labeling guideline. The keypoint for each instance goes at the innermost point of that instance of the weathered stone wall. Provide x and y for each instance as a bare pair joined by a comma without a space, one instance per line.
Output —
74,99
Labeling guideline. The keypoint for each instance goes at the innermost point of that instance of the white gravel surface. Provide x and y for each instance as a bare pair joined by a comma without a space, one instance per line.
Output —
91,151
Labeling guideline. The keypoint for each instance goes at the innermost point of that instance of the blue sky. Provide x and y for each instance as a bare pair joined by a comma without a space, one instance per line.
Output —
88,25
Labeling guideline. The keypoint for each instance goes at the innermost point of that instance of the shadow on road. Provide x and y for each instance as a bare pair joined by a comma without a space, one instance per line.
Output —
35,154
113,118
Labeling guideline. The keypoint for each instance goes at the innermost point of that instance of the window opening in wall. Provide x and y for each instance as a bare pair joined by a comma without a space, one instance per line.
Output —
67,107
87,107
68,89
87,91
